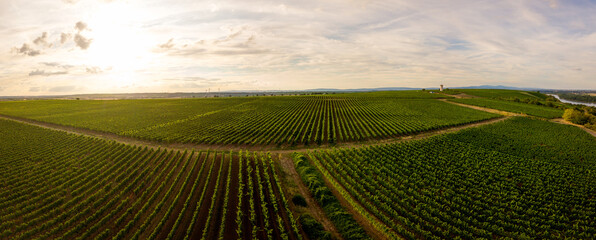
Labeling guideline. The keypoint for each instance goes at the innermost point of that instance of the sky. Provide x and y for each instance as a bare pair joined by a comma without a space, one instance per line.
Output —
55,47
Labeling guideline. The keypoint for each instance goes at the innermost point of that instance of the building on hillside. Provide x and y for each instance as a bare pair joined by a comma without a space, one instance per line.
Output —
441,87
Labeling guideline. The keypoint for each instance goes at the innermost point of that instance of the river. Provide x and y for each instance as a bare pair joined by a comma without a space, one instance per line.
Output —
573,102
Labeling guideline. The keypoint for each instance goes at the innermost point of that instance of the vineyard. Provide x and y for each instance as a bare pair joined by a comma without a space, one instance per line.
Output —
55,185
508,178
500,93
533,110
290,120
474,184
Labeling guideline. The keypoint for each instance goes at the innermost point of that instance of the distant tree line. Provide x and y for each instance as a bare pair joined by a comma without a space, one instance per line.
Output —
578,97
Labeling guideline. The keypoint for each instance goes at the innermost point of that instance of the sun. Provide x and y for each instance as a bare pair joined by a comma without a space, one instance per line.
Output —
119,45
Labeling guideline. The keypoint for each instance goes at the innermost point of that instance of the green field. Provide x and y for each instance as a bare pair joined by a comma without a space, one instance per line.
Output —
511,178
520,179
514,107
500,93
290,120
55,185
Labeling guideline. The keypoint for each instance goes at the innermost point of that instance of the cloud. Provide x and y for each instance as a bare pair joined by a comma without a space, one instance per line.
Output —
93,70
311,44
41,40
81,41
167,45
193,79
45,74
238,41
58,65
240,52
64,37
233,35
70,1
197,82
27,50
80,26
34,89
68,88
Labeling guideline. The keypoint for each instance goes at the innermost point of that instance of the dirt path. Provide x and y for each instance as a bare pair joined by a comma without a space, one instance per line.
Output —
509,114
272,149
490,110
315,209
127,140
459,95
351,205
285,160
563,121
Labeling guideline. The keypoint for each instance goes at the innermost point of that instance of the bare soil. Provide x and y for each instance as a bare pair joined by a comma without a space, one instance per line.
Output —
187,218
201,220
314,209
362,221
490,110
230,222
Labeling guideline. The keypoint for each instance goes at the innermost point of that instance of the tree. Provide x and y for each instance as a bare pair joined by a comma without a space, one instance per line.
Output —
576,116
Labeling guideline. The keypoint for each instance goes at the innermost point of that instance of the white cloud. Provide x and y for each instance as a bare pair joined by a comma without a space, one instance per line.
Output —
41,40
264,44
64,37
45,74
81,26
82,42
25,49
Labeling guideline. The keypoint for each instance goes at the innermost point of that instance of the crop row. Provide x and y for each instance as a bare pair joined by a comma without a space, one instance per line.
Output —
56,185
515,107
288,120
445,188
314,120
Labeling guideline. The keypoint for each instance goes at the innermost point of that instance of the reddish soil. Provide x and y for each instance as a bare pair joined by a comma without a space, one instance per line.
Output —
168,201
261,234
132,198
214,225
166,167
246,224
180,204
201,220
230,221
205,163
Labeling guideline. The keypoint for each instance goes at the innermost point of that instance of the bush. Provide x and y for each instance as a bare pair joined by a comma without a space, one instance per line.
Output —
313,229
299,200
579,117
574,116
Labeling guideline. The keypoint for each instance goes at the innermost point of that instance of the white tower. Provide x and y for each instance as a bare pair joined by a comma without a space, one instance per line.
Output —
441,87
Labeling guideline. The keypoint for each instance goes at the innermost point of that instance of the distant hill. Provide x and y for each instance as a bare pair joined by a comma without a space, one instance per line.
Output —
408,88
360,89
494,87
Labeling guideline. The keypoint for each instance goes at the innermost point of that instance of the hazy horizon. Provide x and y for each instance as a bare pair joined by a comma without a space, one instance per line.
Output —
63,47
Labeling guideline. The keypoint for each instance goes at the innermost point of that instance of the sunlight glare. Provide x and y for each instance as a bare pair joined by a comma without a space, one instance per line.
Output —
118,44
